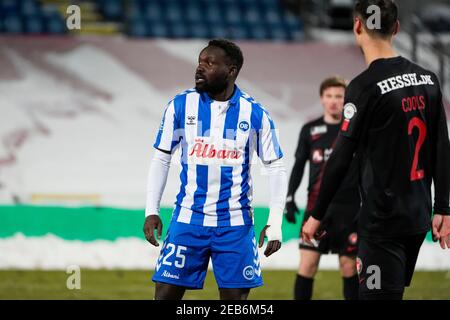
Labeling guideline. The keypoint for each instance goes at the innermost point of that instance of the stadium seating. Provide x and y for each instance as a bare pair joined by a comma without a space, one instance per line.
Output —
111,9
234,19
30,17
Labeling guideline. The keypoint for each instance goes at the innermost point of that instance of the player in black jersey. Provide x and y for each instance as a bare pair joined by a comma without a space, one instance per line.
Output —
395,120
315,146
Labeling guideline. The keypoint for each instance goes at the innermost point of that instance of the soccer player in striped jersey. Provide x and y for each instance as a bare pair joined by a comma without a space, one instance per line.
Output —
218,128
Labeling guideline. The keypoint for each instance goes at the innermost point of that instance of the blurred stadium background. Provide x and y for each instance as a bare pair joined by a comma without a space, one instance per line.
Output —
80,110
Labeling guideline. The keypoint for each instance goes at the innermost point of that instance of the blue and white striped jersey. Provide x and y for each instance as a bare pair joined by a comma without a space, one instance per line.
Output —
217,141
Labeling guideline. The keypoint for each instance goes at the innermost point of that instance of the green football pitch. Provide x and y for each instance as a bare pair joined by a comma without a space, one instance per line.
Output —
130,284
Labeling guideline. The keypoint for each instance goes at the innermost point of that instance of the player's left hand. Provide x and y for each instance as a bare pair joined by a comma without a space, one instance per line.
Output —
310,231
441,230
272,246
151,223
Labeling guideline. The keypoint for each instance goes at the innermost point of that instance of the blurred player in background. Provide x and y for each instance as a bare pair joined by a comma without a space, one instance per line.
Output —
218,127
395,119
316,145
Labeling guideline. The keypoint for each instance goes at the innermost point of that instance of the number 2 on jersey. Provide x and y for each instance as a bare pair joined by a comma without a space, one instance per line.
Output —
422,127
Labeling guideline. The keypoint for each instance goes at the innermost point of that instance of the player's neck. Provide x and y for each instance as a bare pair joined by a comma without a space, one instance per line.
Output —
378,49
331,119
224,95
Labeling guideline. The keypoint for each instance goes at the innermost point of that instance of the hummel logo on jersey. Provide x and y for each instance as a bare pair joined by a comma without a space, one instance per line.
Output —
191,120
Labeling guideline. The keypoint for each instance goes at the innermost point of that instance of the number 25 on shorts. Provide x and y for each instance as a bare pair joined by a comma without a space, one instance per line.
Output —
179,259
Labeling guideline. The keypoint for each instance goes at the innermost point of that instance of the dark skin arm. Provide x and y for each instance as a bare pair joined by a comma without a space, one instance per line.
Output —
151,223
272,246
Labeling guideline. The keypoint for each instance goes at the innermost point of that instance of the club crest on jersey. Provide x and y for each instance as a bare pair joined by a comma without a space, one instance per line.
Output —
349,112
248,272
243,126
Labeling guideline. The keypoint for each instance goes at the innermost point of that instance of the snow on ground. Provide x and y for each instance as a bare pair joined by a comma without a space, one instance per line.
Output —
51,252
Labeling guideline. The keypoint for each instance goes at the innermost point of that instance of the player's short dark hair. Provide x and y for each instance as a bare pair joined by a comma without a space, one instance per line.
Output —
334,81
388,16
232,51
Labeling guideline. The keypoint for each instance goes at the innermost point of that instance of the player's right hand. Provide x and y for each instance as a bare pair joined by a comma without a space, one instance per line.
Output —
151,223
441,230
290,211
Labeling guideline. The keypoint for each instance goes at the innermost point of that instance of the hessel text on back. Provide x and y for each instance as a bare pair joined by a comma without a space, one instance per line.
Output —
403,81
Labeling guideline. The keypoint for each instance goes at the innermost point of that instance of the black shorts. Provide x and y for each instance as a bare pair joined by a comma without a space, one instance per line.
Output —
341,241
393,260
